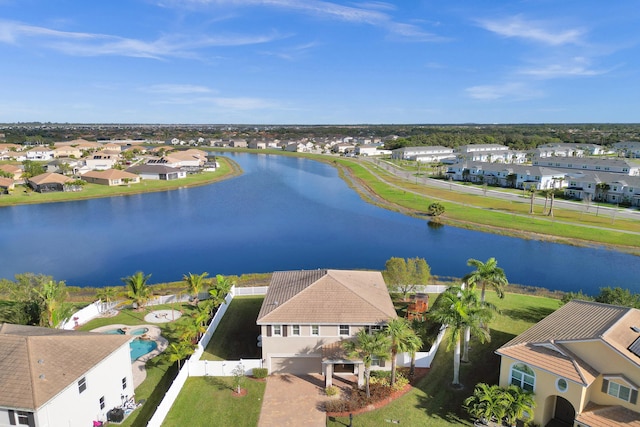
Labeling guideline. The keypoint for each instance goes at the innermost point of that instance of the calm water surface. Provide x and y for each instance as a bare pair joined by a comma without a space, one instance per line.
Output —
282,214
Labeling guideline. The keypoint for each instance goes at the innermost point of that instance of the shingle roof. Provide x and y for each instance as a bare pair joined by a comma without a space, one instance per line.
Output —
541,345
327,297
49,177
37,363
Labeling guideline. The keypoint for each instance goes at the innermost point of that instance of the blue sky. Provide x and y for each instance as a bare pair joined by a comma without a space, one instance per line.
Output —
319,62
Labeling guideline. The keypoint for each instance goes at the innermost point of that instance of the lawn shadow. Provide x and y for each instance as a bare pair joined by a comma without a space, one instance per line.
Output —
529,314
218,383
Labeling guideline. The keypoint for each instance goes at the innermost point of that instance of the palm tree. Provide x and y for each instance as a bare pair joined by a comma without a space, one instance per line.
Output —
488,402
179,351
450,310
518,402
52,297
195,283
412,344
107,294
479,316
218,292
486,274
532,193
366,347
137,289
400,333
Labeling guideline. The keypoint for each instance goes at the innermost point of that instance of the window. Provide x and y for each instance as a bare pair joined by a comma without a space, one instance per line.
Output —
277,330
82,384
315,330
619,391
561,384
372,329
295,330
22,418
523,376
102,402
124,383
344,329
375,361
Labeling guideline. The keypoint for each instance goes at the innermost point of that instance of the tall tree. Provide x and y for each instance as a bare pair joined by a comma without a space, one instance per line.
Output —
401,336
486,274
366,347
449,310
137,289
404,275
479,315
195,283
53,297
178,351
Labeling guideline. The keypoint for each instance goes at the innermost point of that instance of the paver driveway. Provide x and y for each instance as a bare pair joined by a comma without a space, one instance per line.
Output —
291,400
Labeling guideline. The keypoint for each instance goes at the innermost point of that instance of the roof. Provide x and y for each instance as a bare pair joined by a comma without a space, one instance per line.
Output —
49,178
38,363
542,344
327,297
153,169
607,416
6,182
11,168
110,174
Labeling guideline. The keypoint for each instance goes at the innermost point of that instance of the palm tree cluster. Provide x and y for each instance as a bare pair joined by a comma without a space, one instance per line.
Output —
397,337
494,403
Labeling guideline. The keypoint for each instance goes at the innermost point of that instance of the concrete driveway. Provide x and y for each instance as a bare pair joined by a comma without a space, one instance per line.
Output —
293,400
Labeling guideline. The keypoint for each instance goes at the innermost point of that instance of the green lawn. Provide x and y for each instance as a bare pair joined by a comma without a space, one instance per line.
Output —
432,402
209,401
237,334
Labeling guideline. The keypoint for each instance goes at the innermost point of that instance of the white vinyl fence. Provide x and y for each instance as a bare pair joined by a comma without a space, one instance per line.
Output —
423,358
194,367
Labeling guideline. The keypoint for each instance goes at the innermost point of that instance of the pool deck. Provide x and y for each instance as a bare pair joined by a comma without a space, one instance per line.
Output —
138,365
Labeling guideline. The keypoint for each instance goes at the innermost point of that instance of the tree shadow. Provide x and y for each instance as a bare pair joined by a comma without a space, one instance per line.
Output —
529,314
218,383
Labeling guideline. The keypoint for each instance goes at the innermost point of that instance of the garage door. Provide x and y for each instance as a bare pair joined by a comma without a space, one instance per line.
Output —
296,365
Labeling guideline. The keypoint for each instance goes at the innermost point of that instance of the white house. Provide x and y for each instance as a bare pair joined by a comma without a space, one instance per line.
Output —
54,377
596,164
101,161
423,154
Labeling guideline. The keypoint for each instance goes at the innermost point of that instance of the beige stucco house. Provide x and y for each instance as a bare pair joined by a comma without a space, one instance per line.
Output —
111,177
583,364
53,377
306,314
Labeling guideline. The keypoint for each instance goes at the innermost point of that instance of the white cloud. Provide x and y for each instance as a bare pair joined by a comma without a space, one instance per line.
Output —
537,31
512,91
87,44
176,89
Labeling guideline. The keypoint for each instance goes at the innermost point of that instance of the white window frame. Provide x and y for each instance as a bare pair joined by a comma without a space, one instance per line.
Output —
276,330
124,383
613,384
102,403
340,330
315,330
295,330
82,384
524,376
22,418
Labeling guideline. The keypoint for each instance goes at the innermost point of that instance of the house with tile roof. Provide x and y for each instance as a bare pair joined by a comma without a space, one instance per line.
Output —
54,377
306,314
583,364
111,177
161,172
48,181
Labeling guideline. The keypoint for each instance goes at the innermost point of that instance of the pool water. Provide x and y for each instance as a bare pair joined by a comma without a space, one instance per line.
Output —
140,331
141,347
114,332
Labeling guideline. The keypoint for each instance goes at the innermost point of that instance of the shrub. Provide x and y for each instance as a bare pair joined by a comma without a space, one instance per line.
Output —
338,405
331,390
260,373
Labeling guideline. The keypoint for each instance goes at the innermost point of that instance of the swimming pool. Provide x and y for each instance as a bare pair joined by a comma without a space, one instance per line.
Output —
141,347
114,332
139,331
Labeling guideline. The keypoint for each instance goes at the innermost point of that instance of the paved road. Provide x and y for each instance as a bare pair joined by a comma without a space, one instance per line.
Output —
613,213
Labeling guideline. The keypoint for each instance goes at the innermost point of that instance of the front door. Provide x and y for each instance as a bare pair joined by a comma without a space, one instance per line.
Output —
564,411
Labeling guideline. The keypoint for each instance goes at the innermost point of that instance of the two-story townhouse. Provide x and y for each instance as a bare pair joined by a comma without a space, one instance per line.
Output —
39,153
54,377
613,165
516,176
582,362
628,148
307,314
434,153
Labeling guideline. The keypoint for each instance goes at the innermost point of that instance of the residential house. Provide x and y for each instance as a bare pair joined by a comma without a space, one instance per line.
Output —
12,169
54,377
102,160
429,154
238,143
582,362
111,177
6,185
160,172
489,153
9,151
605,187
628,148
615,165
67,151
369,150
307,314
41,152
258,144
508,175
343,147
48,182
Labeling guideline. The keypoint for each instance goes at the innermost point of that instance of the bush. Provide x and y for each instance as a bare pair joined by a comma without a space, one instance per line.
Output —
331,390
260,373
338,405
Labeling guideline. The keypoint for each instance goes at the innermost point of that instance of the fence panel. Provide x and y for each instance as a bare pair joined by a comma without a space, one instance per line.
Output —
169,398
222,368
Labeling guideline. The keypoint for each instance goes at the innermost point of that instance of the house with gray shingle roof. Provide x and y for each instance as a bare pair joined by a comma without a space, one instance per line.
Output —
306,314
53,377
582,362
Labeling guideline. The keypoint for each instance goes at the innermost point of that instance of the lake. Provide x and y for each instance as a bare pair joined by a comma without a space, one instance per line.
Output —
283,213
